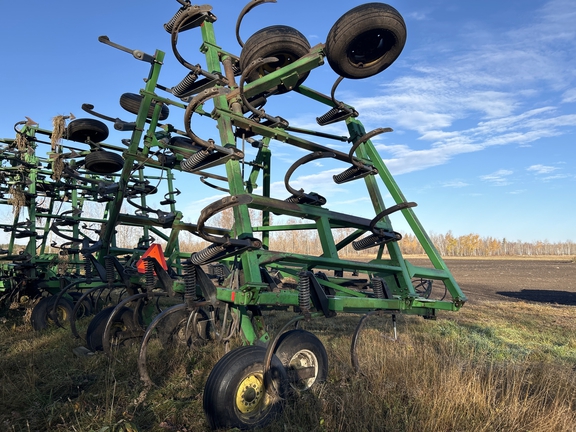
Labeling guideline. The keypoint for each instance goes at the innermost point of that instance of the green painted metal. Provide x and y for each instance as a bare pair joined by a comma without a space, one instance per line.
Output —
151,156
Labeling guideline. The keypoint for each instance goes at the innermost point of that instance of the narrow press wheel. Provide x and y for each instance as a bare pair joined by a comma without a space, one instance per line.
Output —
235,395
304,357
365,40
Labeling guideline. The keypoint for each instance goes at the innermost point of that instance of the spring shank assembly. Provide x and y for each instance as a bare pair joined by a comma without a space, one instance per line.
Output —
50,193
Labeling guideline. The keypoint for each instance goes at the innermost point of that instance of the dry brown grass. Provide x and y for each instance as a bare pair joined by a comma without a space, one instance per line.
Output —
491,367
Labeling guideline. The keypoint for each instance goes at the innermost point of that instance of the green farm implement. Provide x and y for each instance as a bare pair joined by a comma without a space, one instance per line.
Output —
89,218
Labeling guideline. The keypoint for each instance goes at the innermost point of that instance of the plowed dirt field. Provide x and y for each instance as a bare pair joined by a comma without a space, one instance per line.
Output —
551,280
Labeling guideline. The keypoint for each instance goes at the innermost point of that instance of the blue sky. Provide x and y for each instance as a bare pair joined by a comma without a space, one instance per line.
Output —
482,100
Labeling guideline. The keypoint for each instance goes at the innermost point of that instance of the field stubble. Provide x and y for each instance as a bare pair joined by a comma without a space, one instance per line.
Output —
497,365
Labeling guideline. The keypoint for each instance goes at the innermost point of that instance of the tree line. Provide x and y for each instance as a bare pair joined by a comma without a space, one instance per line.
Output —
448,244
475,245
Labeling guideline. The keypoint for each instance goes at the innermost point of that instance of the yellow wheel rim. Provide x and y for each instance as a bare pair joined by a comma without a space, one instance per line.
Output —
61,314
250,394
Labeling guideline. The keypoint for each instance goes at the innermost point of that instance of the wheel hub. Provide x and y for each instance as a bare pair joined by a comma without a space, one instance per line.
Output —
304,359
370,46
250,394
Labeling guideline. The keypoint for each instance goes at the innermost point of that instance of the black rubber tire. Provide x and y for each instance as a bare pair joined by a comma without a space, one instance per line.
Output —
365,40
285,43
124,321
299,348
86,308
104,162
41,317
131,103
172,329
238,377
80,130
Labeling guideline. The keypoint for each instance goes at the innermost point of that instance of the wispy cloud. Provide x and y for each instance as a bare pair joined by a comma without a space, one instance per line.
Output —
455,184
541,169
418,15
556,177
490,95
569,96
498,178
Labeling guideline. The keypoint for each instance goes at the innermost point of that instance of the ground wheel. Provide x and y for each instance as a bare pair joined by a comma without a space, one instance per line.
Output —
304,357
172,329
235,396
103,162
124,330
80,130
86,308
365,40
131,103
42,314
285,43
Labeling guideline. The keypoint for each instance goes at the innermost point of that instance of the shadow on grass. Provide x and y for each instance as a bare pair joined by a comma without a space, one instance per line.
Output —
543,296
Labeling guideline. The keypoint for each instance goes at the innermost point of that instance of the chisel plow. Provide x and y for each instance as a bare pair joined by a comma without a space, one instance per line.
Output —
75,196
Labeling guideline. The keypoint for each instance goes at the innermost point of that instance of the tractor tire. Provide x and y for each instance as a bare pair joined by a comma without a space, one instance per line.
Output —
234,394
42,318
80,130
131,103
104,162
283,42
365,40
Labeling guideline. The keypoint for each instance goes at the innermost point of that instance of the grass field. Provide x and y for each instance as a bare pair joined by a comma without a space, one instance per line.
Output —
493,366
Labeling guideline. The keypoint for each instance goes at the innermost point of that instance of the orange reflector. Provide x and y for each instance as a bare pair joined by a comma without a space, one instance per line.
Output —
154,251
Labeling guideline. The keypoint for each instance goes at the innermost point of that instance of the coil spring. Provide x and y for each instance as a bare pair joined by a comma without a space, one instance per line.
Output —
149,282
206,255
169,26
304,291
343,177
378,287
88,268
189,282
219,270
109,266
328,117
293,199
194,160
366,242
180,89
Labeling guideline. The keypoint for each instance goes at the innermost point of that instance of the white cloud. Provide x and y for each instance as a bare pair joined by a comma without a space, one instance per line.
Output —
498,178
352,201
506,89
556,177
569,96
455,184
418,16
541,169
